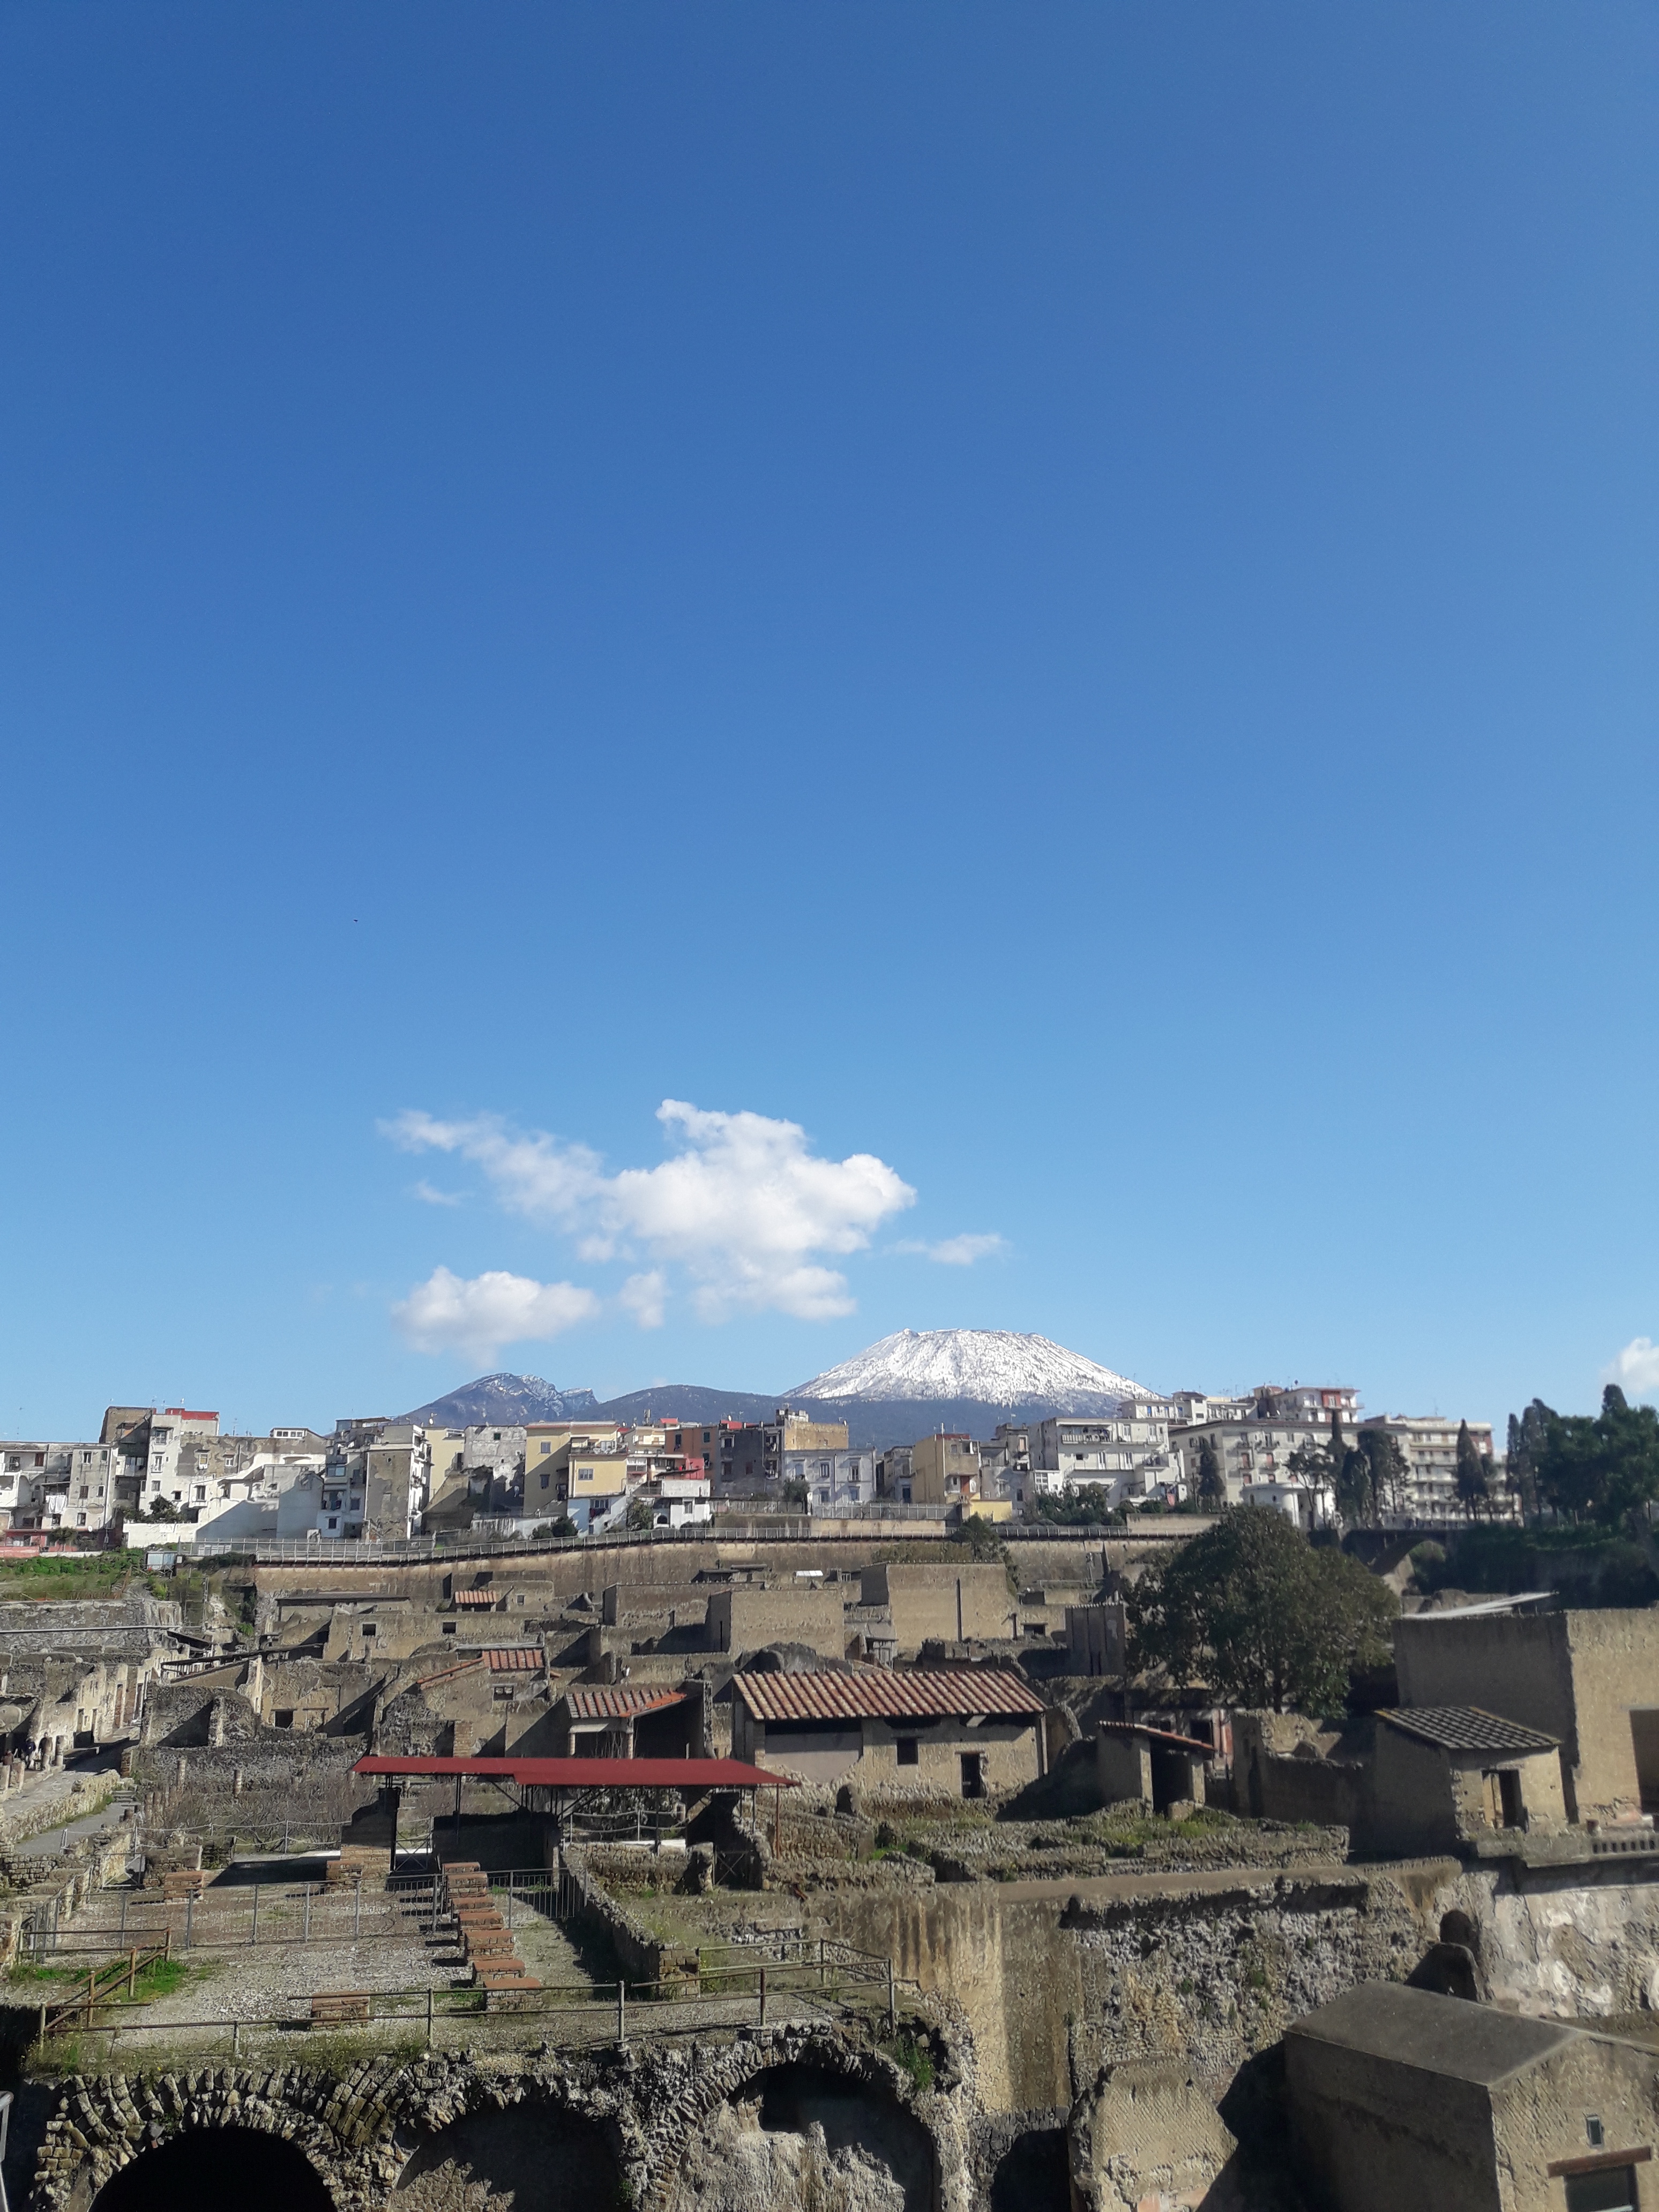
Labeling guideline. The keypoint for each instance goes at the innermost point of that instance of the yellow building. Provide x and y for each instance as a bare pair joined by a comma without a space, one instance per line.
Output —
556,1451
945,1471
802,1435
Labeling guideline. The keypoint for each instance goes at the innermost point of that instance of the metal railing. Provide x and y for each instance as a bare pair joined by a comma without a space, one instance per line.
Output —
730,1989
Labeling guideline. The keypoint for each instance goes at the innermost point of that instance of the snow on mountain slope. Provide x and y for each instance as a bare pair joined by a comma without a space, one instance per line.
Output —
997,1366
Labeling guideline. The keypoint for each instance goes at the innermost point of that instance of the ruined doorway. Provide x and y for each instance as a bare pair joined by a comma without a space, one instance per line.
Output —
800,2139
208,2168
536,2158
1644,1739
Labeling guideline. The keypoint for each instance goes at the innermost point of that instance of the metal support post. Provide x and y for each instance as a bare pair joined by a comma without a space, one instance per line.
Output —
429,2019
621,2012
190,1917
236,2039
253,1932
132,1973
763,1996
357,1912
306,1937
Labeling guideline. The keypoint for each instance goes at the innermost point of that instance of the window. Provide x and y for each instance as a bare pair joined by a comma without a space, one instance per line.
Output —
283,1718
908,1750
1610,2189
448,1627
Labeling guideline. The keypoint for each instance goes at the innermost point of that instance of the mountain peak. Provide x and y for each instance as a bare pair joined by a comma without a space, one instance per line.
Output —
507,1400
996,1366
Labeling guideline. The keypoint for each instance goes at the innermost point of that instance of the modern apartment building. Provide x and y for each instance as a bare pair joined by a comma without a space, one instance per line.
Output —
1254,1436
1125,1453
832,1477
1428,1444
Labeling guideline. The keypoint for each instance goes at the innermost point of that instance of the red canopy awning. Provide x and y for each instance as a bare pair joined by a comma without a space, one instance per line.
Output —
588,1773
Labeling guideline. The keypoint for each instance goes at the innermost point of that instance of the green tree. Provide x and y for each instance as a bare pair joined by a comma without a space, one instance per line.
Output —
1388,1470
1356,1500
1211,1488
1604,1470
1473,1489
1260,1615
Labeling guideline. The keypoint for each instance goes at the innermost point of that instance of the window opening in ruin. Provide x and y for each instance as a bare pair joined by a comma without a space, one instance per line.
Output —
1612,2190
909,1752
1644,1738
973,1773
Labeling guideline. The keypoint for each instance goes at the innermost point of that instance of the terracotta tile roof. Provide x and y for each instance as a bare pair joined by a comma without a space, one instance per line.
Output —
1469,1727
590,1702
514,1659
474,1597
875,1694
1157,1736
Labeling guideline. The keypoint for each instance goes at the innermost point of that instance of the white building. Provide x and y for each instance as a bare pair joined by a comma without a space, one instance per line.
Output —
23,1482
1428,1445
1306,1506
1255,1437
832,1478
1125,1453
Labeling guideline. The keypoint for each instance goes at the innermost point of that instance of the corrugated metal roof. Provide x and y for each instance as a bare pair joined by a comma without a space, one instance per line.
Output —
589,1702
515,1659
474,1597
1469,1727
950,1693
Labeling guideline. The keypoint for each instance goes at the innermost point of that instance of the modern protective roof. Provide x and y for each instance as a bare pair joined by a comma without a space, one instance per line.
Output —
875,1694
1469,1727
514,1658
476,1597
690,1774
594,1702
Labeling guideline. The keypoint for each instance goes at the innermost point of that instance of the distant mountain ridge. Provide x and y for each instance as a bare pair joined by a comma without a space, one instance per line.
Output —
508,1401
689,1401
894,1392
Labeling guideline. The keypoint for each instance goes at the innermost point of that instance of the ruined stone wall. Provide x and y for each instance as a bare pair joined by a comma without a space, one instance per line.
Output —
812,2117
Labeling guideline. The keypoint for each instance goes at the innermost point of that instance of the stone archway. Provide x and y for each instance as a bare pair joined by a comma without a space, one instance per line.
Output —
800,2135
538,2157
205,2169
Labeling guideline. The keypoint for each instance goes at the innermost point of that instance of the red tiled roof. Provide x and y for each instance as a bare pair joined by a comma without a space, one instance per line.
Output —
514,1659
692,1774
1157,1735
474,1597
875,1694
590,1702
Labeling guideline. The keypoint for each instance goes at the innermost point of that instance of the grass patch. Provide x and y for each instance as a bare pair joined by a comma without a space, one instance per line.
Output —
913,2058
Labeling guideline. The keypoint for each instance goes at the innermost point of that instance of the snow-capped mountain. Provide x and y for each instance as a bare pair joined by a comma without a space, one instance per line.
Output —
508,1399
993,1367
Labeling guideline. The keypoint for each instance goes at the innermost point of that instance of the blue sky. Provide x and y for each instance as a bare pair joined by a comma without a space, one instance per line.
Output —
1061,598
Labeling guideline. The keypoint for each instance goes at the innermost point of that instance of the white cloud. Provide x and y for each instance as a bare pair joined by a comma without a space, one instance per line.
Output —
1636,1369
956,1251
478,1315
430,1196
744,1206
646,1298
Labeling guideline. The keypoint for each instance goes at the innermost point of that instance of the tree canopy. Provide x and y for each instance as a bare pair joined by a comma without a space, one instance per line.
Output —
1604,1470
1260,1615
